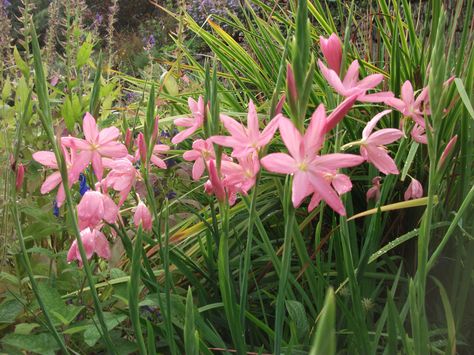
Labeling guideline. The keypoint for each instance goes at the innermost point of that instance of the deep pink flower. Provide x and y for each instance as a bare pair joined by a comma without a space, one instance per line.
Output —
215,184
311,173
352,86
332,51
409,106
121,177
374,191
193,123
372,145
447,151
20,175
75,164
94,208
414,190
246,140
97,144
142,217
94,241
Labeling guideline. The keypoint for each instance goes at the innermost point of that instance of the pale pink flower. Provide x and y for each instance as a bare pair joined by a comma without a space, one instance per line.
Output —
418,133
374,192
311,173
94,241
75,164
241,177
121,177
97,144
198,110
352,86
94,208
409,106
415,190
142,217
332,51
20,175
341,184
246,140
372,145
202,152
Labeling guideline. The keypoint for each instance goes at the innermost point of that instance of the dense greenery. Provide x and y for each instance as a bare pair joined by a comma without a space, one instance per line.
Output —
140,254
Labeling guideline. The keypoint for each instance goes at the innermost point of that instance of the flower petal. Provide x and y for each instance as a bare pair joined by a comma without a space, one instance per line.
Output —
46,158
372,123
301,188
322,187
384,136
51,182
332,78
291,137
90,128
382,161
279,163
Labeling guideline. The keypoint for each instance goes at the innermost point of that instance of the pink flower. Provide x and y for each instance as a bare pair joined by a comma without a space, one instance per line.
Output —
142,217
352,86
372,145
332,51
94,208
75,164
97,144
202,152
199,113
408,106
415,190
20,175
246,140
418,134
94,241
215,184
341,184
339,112
121,177
374,191
241,176
311,173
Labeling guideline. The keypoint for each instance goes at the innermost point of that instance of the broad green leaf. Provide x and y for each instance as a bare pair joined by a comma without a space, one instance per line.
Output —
42,343
9,310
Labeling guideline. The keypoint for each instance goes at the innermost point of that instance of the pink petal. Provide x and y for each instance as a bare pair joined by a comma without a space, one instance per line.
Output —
332,78
322,187
370,81
341,183
113,150
226,141
101,247
75,143
184,122
160,148
314,202
314,136
158,162
61,195
331,162
378,97
191,155
269,131
372,123
97,165
397,104
108,134
252,122
72,252
382,161
236,129
301,188
198,168
332,51
407,93
181,136
46,158
352,75
90,128
291,137
279,163
110,209
339,112
384,136
51,182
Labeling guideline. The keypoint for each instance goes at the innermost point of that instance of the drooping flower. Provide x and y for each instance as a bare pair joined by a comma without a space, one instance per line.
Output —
94,241
121,177
198,110
374,192
414,190
409,106
312,173
332,51
75,164
372,145
20,175
94,208
142,217
97,144
418,133
246,140
351,85
215,184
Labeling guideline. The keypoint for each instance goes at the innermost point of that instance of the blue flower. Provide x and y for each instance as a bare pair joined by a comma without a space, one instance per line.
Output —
83,187
171,195
55,208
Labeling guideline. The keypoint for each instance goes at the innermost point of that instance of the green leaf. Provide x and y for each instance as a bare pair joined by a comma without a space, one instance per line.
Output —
25,328
20,63
84,53
92,335
7,89
56,305
191,346
9,310
43,343
298,315
464,96
325,338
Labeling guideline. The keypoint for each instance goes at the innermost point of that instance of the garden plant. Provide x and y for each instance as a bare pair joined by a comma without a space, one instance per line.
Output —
302,186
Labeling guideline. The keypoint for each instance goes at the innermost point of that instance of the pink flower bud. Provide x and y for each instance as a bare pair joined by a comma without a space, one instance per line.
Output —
128,138
447,151
332,51
142,217
291,85
154,135
279,106
415,190
141,147
374,191
20,175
